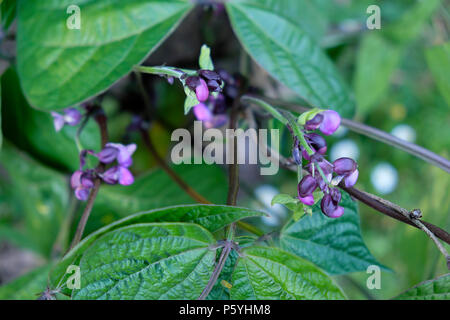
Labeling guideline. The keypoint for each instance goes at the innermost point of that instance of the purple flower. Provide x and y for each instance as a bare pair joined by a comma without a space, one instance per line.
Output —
210,120
314,123
347,169
113,151
199,86
330,123
306,186
317,142
118,174
331,208
308,200
71,116
82,182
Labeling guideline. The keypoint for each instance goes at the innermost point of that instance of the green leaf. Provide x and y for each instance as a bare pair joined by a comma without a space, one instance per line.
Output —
148,261
265,273
438,58
33,130
26,287
284,199
436,289
205,61
59,66
8,13
376,62
219,291
156,189
281,45
335,245
211,217
38,197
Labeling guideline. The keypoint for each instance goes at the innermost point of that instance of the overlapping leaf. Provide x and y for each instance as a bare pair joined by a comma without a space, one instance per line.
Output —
283,47
148,261
436,289
59,66
335,245
265,273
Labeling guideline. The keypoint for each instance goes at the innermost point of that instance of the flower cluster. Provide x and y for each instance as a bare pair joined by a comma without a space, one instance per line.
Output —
70,116
323,175
82,180
207,81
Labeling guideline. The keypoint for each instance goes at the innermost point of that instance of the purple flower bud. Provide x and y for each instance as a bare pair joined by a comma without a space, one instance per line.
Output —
344,166
58,121
125,176
82,194
308,200
296,155
108,154
209,75
214,86
306,186
317,142
335,195
314,123
330,123
201,91
330,208
118,174
351,179
82,182
202,112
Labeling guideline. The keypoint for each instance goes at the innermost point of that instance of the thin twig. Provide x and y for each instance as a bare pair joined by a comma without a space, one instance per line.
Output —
100,117
217,270
374,133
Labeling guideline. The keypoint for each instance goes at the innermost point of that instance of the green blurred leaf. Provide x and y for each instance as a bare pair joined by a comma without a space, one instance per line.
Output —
282,46
437,289
148,261
335,245
438,59
59,66
211,217
26,287
265,273
37,195
33,130
8,13
376,62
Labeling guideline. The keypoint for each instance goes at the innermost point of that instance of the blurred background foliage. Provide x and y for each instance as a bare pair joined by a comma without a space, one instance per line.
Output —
399,80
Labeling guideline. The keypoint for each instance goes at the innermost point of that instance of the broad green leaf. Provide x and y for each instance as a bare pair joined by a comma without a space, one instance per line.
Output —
376,62
335,245
211,217
59,66
33,130
282,46
8,13
438,58
26,287
412,23
205,61
156,189
381,51
436,289
148,261
37,195
265,273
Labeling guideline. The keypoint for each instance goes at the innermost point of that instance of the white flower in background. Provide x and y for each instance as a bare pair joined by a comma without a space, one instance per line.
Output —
344,148
384,178
265,194
404,132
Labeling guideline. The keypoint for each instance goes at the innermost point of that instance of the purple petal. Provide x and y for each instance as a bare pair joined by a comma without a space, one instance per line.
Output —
108,154
72,116
82,193
350,180
202,112
338,212
201,91
308,200
75,179
125,176
58,121
331,122
111,176
306,186
344,166
314,123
